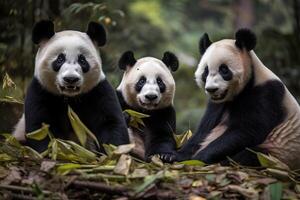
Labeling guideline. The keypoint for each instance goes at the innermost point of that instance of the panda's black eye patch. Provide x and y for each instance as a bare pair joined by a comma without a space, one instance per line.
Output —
140,84
58,62
205,74
161,84
225,72
83,63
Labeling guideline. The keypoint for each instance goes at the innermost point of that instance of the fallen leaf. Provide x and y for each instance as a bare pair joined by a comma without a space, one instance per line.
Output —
123,165
47,165
123,149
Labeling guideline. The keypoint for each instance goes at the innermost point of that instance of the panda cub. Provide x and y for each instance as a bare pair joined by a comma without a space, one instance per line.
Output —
68,71
249,107
148,87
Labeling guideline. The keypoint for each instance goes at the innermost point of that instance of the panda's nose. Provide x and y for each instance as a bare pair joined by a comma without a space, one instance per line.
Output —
71,79
211,90
151,97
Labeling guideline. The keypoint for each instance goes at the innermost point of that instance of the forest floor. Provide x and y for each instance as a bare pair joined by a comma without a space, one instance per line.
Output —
68,171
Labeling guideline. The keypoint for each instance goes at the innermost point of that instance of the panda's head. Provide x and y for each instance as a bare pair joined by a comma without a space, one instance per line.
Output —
225,67
68,62
147,82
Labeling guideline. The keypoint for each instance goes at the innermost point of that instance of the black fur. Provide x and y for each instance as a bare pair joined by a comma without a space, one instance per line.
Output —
85,66
205,74
204,43
161,85
58,62
127,59
98,109
140,84
225,72
245,38
252,116
97,33
170,61
158,131
42,30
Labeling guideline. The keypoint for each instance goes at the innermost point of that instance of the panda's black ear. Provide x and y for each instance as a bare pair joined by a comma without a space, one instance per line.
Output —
170,61
127,59
43,30
97,33
204,43
245,38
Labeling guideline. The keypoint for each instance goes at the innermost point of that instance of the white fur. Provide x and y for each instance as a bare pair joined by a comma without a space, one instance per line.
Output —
19,131
224,52
151,68
72,44
283,141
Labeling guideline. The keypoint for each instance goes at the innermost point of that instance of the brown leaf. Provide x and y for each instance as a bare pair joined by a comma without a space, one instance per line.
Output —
14,176
123,165
47,165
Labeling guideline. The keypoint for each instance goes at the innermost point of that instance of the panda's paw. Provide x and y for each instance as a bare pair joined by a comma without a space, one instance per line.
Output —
167,157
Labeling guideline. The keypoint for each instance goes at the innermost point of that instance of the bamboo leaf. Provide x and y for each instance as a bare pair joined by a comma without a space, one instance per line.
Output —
123,165
136,114
275,191
148,181
123,149
81,151
81,131
182,138
136,118
8,82
39,134
66,168
193,163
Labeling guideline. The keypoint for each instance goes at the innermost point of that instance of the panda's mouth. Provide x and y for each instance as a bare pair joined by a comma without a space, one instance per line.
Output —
219,97
69,89
148,104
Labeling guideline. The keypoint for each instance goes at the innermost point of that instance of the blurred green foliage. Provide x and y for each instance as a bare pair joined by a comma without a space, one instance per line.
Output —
151,27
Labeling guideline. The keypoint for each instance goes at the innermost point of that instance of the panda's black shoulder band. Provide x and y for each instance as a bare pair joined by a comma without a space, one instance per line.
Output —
42,30
245,38
170,61
97,33
127,59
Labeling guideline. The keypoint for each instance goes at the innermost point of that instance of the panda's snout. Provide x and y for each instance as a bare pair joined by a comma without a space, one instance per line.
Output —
71,79
211,90
151,97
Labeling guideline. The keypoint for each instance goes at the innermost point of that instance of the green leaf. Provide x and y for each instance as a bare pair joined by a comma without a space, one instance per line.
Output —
39,134
193,163
182,138
8,82
81,131
81,151
148,181
5,157
136,118
54,149
109,149
269,161
66,168
133,113
275,191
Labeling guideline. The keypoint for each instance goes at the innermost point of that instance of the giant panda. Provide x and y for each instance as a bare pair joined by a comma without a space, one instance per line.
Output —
68,71
248,107
148,87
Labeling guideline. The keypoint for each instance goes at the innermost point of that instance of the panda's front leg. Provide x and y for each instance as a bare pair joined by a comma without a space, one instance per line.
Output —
228,144
162,145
